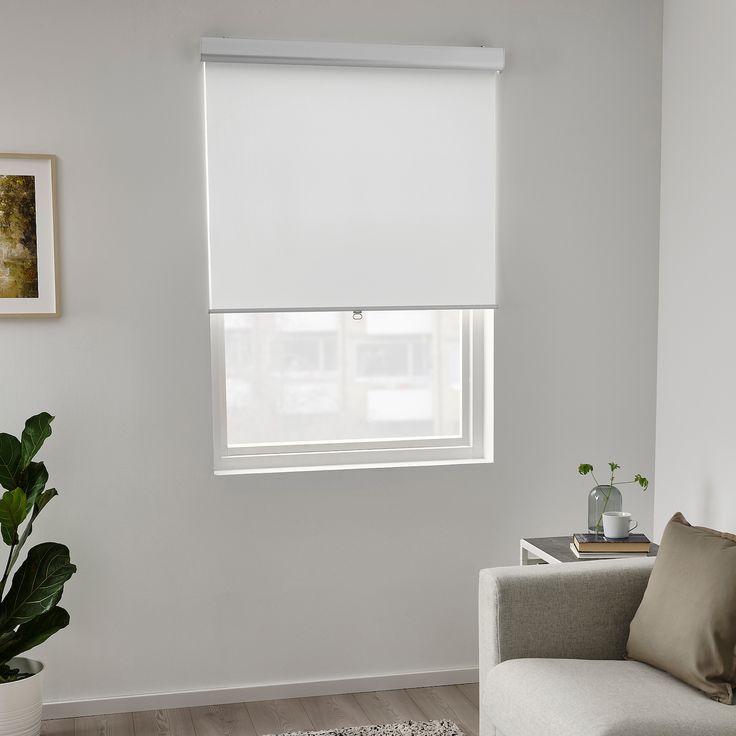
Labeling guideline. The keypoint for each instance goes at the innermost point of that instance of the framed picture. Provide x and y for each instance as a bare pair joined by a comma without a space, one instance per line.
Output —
28,269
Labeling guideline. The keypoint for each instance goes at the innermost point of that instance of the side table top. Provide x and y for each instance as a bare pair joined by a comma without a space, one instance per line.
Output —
557,549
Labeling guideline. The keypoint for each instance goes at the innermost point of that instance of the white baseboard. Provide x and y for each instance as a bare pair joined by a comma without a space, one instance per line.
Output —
250,693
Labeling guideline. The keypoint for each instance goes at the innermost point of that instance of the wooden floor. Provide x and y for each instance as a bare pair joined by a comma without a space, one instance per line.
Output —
458,703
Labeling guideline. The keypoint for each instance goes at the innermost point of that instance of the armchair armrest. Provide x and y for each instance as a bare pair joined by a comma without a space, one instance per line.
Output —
575,610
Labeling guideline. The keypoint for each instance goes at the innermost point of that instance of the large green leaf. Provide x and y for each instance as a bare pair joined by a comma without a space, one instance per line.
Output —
10,454
45,497
33,633
13,510
37,429
37,585
33,481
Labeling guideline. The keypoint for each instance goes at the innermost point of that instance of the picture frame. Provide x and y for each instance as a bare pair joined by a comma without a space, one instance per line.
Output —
29,284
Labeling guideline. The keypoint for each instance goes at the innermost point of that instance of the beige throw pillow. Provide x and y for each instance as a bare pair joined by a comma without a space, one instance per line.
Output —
686,622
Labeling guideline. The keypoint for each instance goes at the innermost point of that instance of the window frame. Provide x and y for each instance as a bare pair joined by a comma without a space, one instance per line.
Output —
474,445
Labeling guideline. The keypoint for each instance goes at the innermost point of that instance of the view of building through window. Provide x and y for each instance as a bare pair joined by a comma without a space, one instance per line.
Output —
323,376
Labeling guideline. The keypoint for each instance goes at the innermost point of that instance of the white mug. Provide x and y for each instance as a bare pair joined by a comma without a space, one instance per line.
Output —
617,524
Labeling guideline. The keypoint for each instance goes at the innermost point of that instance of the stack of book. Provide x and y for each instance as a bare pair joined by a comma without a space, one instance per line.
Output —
598,547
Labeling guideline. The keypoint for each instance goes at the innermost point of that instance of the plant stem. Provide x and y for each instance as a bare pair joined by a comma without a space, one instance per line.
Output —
15,551
7,570
14,554
605,506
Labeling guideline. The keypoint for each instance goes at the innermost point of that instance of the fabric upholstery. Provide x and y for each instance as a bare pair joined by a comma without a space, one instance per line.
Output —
577,610
686,623
564,697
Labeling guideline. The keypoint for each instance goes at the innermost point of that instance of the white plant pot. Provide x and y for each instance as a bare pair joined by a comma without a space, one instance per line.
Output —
21,701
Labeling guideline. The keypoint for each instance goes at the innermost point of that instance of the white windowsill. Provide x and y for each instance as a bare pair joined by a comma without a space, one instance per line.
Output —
360,466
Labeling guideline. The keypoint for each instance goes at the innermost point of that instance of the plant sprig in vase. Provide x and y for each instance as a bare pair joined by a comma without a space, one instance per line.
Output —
607,489
29,613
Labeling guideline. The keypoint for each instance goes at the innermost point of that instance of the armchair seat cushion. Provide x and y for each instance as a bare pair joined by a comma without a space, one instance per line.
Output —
578,697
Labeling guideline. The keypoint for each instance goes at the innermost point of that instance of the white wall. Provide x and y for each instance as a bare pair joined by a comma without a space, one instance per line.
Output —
696,407
188,581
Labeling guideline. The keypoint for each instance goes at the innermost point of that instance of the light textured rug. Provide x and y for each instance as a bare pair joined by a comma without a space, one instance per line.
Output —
406,728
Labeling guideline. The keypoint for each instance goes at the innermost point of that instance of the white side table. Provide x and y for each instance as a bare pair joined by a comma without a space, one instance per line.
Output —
553,551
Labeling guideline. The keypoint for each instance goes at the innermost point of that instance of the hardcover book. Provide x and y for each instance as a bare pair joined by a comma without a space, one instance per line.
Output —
604,555
598,543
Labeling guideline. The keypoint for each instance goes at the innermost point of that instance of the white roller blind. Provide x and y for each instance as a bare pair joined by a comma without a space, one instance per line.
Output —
346,187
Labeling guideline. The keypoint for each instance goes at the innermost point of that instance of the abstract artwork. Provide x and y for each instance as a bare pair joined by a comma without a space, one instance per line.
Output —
28,284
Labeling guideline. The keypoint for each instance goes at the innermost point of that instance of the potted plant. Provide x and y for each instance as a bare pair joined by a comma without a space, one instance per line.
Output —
29,610
605,497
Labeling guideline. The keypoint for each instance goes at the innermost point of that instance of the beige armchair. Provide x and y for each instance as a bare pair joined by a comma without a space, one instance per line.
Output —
552,645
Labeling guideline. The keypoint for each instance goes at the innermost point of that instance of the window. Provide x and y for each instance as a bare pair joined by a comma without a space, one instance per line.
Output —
350,180
321,389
